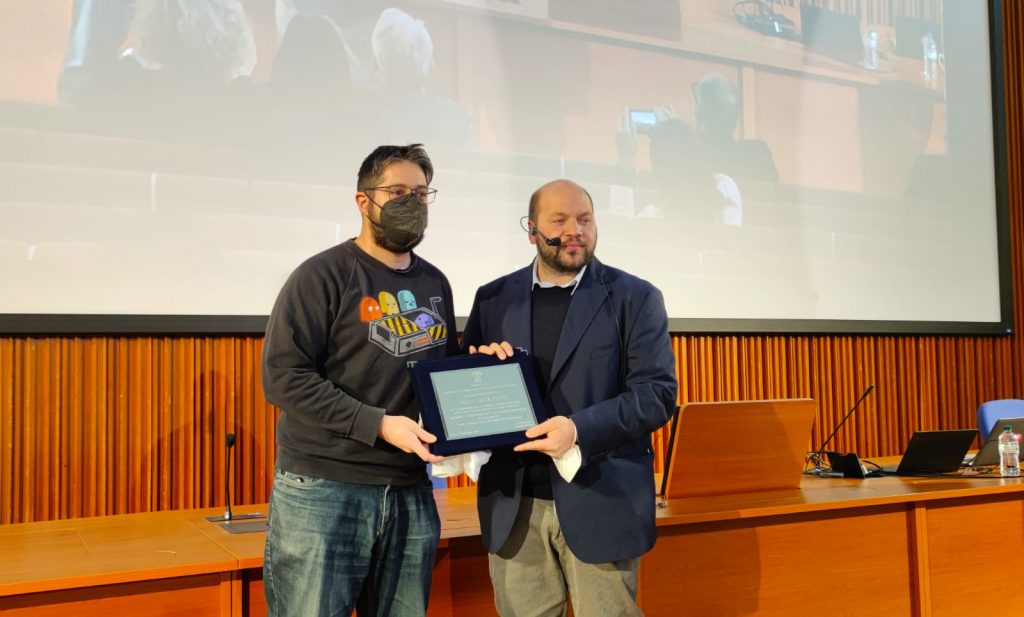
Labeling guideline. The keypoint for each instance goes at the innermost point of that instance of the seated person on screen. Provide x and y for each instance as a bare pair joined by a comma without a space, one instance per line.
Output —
354,21
183,72
717,110
97,31
404,53
687,187
313,113
703,169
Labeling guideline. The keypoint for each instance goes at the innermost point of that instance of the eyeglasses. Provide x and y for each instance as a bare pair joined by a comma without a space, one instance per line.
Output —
425,195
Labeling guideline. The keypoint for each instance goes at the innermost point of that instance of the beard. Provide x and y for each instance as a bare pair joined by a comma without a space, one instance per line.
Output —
557,259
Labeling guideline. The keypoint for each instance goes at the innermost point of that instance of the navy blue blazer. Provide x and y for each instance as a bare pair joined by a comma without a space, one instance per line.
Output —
614,375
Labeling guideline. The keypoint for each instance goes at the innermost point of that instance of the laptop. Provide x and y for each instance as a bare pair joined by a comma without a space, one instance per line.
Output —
932,453
739,447
989,452
831,32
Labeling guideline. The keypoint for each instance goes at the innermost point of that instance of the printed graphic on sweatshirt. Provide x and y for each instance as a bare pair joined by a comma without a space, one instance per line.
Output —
388,304
400,326
369,309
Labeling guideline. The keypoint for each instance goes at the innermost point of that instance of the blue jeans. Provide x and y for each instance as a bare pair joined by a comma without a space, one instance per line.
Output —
334,547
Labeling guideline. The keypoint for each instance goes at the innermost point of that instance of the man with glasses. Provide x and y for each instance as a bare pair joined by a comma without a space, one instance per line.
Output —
353,523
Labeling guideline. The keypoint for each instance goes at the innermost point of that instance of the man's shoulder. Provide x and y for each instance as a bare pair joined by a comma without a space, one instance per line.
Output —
430,269
328,260
615,277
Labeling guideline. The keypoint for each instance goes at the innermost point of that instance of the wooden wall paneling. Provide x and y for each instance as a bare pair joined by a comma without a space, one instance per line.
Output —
16,438
886,420
137,408
182,428
87,473
908,388
818,431
95,369
750,385
24,435
117,445
130,424
244,412
822,369
267,416
7,483
41,421
864,419
1013,43
966,368
193,423
210,435
138,424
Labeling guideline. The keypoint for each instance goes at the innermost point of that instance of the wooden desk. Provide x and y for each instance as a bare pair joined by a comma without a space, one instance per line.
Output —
145,564
882,546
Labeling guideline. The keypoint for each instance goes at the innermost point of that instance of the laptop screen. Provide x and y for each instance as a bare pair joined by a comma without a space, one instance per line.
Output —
704,461
935,452
989,452
829,31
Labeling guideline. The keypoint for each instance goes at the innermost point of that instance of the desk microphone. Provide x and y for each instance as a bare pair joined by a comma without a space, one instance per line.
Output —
548,241
848,464
229,442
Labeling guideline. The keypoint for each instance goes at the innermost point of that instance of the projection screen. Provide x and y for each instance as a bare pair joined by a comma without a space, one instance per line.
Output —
772,166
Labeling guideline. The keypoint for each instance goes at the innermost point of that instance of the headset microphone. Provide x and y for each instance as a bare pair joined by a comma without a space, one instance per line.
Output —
548,241
525,224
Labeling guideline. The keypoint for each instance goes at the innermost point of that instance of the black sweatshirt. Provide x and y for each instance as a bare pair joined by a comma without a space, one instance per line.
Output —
335,361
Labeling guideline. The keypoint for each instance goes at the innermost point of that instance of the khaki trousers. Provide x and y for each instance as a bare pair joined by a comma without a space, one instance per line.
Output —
532,572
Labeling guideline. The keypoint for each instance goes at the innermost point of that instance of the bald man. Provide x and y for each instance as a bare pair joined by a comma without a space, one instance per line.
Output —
570,513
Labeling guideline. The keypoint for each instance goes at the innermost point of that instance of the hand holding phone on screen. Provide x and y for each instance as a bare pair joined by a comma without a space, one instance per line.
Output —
642,120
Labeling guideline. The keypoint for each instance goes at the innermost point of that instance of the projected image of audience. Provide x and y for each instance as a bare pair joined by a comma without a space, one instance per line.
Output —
159,68
310,106
836,148
404,52
699,167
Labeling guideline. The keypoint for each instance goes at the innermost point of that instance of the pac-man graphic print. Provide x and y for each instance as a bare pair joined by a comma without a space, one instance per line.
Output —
369,309
411,330
388,304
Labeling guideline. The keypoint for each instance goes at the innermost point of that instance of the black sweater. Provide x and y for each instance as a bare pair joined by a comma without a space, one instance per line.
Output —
335,359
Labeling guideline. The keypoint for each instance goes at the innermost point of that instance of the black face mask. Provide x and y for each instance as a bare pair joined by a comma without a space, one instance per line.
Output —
402,223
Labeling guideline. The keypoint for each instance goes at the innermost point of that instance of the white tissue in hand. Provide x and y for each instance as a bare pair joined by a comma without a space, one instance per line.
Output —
468,464
567,464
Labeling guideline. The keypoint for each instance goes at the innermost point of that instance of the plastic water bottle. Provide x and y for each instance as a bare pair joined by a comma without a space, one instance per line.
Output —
1009,453
930,53
870,40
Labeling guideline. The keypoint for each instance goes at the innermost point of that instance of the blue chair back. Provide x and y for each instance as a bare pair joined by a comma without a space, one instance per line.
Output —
991,411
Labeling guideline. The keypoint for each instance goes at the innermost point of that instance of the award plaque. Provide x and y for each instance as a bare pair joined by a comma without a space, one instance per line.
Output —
477,402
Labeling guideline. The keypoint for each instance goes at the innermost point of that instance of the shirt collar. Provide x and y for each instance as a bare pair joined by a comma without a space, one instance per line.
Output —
574,283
